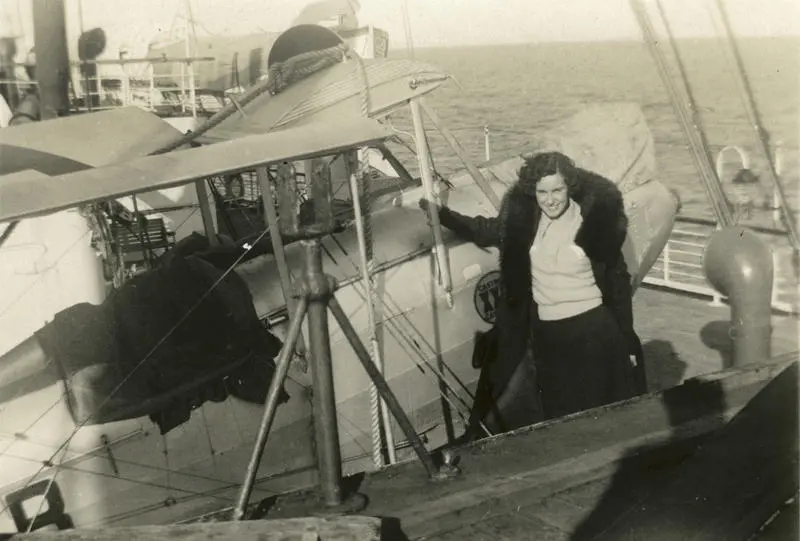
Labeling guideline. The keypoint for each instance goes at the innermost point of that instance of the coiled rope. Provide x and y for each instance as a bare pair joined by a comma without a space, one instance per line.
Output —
279,76
362,205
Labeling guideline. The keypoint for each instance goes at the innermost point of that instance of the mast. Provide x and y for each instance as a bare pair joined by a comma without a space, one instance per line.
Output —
52,61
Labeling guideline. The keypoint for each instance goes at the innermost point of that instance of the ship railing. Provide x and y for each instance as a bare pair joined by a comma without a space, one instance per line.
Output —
680,265
161,85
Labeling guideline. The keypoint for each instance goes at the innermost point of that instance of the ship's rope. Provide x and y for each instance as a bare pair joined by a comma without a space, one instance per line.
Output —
362,205
359,189
279,76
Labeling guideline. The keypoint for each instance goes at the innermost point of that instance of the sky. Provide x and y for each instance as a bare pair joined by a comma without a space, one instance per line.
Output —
432,22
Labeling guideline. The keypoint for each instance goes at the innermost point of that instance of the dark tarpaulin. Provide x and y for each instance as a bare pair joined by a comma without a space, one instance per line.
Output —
137,348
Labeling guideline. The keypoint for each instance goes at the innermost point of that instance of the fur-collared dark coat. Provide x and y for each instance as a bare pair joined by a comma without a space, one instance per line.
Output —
601,236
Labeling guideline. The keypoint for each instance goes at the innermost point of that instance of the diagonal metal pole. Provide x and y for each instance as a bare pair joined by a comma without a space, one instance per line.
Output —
423,157
271,404
474,172
284,181
383,388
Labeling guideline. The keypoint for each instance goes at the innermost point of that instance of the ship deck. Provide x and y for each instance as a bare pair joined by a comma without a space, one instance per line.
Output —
598,472
566,479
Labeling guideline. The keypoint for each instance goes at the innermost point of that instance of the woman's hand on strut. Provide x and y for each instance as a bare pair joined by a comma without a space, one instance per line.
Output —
426,205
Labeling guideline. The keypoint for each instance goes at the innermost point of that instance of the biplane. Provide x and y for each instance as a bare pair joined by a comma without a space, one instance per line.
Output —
97,444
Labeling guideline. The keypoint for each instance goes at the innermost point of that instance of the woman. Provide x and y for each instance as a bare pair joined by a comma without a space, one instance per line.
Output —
564,283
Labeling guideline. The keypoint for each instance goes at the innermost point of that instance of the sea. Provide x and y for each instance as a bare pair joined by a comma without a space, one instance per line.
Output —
517,90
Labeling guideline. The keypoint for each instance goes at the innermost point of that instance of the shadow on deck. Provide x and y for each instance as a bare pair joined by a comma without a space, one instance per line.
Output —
571,478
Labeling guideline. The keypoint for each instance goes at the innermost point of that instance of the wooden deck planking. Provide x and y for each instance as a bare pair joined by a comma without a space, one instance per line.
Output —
510,476
583,511
685,336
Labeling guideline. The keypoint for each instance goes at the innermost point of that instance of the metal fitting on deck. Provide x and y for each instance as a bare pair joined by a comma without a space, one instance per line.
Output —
739,265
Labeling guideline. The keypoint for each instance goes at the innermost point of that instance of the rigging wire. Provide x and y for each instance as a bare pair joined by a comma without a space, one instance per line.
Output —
140,482
169,471
95,453
711,184
403,337
399,313
694,110
407,30
41,276
47,490
31,425
762,135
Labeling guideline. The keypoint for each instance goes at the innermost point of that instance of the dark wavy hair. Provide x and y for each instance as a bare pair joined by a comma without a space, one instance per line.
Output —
545,164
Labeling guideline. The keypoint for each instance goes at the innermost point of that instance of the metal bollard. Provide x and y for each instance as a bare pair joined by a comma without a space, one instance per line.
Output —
739,265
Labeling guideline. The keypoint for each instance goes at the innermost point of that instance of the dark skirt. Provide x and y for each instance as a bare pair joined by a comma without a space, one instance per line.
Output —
581,362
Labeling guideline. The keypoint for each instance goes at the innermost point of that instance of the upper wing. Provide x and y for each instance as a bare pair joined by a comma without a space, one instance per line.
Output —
32,193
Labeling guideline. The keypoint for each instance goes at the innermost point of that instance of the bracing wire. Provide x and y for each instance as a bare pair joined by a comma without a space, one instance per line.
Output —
209,493
93,454
404,338
31,425
40,277
49,486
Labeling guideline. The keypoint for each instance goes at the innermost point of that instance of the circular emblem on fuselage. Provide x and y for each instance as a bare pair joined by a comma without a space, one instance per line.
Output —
487,293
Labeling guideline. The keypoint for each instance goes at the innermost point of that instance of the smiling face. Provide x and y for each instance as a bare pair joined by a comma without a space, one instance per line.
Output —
551,195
